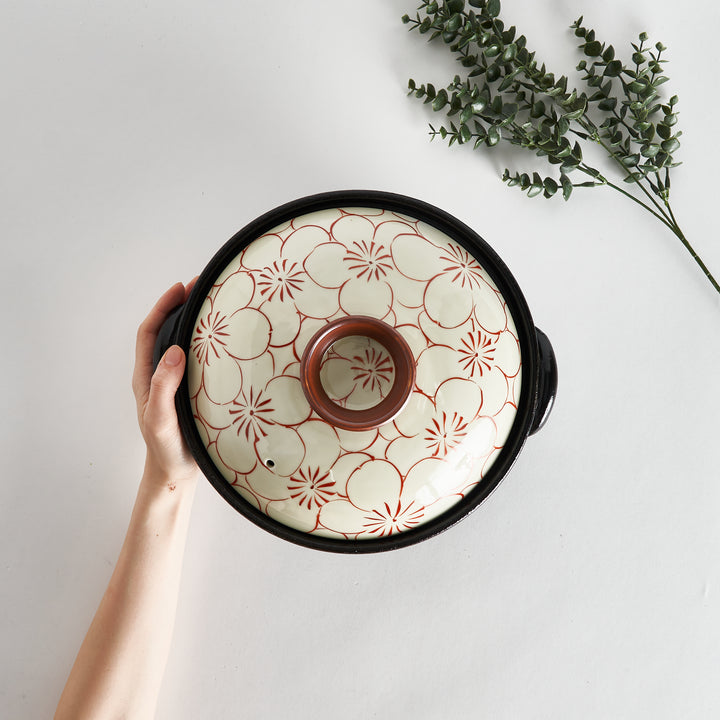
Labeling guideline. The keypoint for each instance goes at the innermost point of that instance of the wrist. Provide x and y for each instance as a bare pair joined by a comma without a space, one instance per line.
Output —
174,482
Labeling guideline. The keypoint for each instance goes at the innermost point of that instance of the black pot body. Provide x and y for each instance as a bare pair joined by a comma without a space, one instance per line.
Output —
539,365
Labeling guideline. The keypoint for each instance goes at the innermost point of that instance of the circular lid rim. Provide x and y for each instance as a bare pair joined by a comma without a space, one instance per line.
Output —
458,232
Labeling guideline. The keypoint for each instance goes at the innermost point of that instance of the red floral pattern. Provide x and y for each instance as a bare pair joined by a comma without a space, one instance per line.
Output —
445,432
210,335
368,260
280,276
311,487
251,414
392,520
373,369
477,351
247,399
462,266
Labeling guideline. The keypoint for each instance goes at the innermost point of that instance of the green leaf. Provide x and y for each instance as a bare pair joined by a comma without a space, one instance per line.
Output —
508,80
569,100
537,186
670,145
510,52
550,187
538,109
509,35
454,22
608,104
493,72
609,54
576,114
565,148
630,160
567,186
592,49
650,151
493,8
440,101
493,135
613,68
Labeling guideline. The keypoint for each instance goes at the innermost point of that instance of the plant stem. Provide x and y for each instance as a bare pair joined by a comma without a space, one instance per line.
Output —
662,218
695,256
595,135
675,229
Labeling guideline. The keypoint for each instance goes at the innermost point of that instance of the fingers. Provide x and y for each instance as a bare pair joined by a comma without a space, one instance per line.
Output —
190,286
147,334
160,415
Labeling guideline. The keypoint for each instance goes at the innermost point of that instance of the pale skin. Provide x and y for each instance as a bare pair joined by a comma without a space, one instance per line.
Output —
119,668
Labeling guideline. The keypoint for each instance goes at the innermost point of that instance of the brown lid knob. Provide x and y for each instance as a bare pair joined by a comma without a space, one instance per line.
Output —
393,402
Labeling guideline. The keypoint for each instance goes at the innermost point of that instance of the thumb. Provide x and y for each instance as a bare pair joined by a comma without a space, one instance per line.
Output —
160,415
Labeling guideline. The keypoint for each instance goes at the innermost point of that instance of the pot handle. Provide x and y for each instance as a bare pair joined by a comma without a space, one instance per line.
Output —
167,335
547,381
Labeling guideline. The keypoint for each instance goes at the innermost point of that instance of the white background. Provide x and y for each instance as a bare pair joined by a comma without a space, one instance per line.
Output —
137,137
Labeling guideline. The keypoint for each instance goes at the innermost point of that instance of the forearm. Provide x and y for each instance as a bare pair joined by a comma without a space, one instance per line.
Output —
119,668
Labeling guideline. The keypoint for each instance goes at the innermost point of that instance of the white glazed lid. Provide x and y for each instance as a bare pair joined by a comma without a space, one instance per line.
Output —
292,300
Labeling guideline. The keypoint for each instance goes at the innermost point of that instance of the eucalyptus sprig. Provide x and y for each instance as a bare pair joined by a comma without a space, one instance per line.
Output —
506,94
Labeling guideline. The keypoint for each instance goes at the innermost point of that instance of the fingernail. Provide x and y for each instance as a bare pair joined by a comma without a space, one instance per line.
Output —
173,356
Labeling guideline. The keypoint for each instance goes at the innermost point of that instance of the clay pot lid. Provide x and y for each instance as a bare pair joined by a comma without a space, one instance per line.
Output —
354,373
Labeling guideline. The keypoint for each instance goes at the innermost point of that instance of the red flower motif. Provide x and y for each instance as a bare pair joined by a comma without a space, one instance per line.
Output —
209,336
445,433
369,260
462,265
478,352
385,521
374,369
279,276
252,415
311,487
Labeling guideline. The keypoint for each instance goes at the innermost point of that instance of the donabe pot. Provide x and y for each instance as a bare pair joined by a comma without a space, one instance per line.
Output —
362,371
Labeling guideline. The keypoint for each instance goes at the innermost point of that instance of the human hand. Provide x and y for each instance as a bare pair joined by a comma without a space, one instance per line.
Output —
168,459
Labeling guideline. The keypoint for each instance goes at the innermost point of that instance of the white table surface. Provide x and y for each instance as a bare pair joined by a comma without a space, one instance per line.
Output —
138,137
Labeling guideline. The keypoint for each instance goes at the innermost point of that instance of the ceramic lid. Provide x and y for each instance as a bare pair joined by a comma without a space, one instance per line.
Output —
354,373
